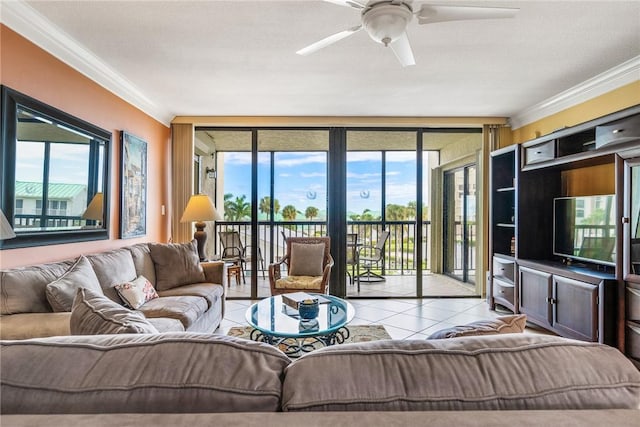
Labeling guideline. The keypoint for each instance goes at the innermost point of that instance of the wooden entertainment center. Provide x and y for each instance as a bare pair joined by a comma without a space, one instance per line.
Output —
593,293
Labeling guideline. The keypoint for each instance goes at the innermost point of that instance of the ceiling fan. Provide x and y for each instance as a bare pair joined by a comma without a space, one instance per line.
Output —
386,22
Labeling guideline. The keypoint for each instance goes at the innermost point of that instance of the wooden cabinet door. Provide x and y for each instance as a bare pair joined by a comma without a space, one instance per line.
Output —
575,308
534,295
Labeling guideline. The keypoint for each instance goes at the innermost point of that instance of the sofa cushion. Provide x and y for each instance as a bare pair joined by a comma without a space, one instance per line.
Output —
505,372
187,309
210,292
142,260
21,326
136,292
154,373
176,264
165,324
306,259
95,314
62,291
23,290
500,325
112,268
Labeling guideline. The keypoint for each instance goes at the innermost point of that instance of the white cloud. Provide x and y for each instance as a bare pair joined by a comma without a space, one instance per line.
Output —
284,160
352,175
313,175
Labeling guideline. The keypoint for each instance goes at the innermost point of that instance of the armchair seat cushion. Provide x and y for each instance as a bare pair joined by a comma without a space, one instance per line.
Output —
299,282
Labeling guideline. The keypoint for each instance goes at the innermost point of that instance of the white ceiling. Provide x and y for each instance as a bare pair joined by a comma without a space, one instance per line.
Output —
188,58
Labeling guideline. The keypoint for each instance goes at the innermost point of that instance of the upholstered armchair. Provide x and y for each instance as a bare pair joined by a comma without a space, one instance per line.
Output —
308,266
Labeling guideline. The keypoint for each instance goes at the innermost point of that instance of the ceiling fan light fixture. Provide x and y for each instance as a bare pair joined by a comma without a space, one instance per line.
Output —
386,22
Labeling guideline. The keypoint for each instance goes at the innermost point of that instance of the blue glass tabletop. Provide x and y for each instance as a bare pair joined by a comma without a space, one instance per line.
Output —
272,317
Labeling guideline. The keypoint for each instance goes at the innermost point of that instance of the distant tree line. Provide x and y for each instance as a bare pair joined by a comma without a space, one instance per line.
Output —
237,208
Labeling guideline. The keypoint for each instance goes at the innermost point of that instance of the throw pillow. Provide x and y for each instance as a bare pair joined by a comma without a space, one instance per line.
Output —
500,325
176,264
136,292
95,314
306,259
61,292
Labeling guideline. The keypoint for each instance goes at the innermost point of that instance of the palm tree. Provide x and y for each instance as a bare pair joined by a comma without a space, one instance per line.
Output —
396,212
238,209
289,213
265,205
311,212
227,205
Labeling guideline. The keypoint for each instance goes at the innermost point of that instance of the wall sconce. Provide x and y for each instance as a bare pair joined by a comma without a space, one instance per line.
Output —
211,173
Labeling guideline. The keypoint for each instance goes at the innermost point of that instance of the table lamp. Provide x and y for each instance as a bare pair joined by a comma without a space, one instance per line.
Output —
6,232
94,210
200,209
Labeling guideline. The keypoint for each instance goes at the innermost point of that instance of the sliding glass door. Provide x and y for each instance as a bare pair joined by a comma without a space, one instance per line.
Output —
460,228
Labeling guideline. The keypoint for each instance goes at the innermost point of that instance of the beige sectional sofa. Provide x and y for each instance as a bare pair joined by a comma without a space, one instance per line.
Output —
188,376
515,379
191,295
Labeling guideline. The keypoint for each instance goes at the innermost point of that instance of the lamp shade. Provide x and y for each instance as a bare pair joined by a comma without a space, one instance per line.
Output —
6,232
94,210
200,208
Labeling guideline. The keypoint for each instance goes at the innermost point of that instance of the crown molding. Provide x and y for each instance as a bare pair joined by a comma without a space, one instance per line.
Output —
618,76
26,21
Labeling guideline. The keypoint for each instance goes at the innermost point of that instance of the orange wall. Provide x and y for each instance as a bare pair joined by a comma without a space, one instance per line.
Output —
34,72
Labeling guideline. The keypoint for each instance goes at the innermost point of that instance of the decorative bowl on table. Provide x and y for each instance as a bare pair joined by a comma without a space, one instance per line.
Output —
308,309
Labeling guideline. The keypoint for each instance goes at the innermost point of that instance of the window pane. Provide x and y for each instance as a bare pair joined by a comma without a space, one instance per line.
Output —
29,171
364,183
68,178
300,185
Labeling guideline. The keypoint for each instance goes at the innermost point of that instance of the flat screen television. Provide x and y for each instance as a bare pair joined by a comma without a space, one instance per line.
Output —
584,228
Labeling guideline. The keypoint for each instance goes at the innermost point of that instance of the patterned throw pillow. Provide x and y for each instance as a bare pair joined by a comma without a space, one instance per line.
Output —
136,292
500,325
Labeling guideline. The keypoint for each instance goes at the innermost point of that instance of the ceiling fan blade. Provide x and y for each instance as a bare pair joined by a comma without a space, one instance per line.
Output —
402,48
328,40
429,14
347,3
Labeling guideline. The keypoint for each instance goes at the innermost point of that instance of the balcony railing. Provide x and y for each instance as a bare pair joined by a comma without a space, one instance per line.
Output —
36,222
399,250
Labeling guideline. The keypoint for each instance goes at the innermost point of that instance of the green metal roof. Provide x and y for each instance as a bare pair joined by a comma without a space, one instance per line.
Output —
30,190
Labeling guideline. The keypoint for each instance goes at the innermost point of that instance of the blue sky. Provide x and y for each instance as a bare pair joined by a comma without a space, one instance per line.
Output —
300,178
69,162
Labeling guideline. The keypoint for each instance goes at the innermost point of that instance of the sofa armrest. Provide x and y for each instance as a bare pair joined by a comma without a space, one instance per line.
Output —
214,272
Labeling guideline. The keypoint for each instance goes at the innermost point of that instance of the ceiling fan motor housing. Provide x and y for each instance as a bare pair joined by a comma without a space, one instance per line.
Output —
386,21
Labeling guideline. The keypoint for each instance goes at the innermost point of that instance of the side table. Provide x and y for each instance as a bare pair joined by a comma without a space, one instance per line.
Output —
233,270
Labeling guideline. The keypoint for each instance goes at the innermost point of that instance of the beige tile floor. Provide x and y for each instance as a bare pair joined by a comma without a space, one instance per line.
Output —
402,318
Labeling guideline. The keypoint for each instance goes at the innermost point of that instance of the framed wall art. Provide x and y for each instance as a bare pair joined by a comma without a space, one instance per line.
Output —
133,186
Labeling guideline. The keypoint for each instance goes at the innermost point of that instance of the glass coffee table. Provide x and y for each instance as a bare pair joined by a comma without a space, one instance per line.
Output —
278,324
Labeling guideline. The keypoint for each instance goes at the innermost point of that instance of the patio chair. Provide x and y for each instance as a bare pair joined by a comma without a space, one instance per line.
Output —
308,263
369,257
235,252
352,255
